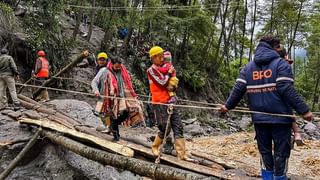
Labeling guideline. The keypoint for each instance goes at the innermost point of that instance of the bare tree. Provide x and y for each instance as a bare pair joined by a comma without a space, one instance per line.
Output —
92,14
252,29
243,31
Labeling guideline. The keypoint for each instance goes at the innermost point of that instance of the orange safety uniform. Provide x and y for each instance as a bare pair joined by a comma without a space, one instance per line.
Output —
158,85
44,71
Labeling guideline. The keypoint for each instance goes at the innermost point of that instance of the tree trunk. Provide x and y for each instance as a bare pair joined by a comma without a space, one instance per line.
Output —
65,69
108,31
223,24
92,15
315,94
232,26
77,26
152,170
295,29
114,147
271,18
130,31
243,32
24,151
252,29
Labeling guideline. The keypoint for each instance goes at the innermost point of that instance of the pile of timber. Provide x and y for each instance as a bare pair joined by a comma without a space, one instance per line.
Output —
125,154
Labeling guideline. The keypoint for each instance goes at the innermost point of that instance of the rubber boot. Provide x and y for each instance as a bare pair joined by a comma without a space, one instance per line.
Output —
180,146
266,175
284,177
156,145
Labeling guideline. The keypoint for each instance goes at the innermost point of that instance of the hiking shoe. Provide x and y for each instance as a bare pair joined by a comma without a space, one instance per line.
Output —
17,107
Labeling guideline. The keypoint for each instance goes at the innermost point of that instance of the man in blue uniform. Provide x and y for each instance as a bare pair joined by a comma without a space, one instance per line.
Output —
268,82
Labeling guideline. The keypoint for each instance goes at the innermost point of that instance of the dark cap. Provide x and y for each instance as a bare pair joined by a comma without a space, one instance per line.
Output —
4,51
116,60
273,41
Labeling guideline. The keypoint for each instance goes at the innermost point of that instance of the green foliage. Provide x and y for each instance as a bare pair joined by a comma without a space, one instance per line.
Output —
5,9
45,33
194,77
7,18
229,74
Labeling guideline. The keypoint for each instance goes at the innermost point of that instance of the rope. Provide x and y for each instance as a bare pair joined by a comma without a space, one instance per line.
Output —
170,112
64,78
173,105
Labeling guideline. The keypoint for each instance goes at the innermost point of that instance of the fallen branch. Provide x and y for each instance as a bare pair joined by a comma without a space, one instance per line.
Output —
156,171
114,147
223,163
14,163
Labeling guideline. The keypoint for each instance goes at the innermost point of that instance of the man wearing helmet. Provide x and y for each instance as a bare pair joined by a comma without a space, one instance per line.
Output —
102,60
41,73
160,96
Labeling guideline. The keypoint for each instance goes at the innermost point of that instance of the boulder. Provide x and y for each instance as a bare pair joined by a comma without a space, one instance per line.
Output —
310,128
193,130
245,122
79,110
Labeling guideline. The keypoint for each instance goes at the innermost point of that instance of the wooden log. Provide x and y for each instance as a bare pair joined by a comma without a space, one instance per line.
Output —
155,171
42,108
25,150
211,169
179,163
50,114
78,59
25,98
114,147
201,161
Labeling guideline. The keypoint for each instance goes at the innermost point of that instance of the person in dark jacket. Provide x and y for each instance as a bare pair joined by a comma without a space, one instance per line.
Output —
296,130
268,82
8,73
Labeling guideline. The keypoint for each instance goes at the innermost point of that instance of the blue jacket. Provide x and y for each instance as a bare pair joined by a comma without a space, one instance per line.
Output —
268,82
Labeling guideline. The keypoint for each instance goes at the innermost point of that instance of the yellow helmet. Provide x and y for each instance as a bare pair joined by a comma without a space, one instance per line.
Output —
102,55
155,50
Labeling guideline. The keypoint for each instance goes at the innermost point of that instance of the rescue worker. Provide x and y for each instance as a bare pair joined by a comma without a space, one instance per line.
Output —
159,92
268,82
102,60
8,73
41,73
96,84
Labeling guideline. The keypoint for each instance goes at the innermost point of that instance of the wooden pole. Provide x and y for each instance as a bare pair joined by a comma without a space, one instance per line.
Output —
144,168
24,151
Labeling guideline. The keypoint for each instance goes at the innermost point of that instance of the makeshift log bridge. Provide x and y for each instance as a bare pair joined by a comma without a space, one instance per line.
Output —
56,121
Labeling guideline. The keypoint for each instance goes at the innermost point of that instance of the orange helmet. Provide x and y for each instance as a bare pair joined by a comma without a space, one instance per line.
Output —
41,53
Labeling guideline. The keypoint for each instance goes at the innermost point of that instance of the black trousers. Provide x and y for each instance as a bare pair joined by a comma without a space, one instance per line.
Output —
280,135
115,122
161,115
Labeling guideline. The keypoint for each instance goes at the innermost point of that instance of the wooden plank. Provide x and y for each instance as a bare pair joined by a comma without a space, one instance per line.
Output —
145,151
180,163
118,148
